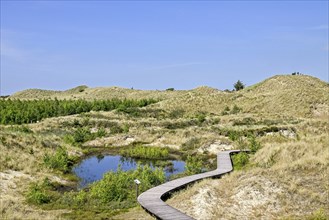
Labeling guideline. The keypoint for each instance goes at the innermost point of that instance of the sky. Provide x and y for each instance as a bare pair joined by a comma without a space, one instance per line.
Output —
58,45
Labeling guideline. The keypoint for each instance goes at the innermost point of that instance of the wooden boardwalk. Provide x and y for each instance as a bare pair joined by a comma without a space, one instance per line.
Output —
152,199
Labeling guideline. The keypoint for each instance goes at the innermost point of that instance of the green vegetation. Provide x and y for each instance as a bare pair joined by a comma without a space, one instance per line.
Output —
193,165
254,145
40,193
228,111
201,117
240,160
58,161
238,85
144,152
83,134
115,191
236,109
119,186
283,123
29,111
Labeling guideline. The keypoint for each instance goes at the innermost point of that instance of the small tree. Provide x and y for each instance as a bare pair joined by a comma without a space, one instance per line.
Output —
239,85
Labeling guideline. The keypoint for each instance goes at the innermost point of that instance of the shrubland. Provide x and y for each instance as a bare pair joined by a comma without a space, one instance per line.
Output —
282,120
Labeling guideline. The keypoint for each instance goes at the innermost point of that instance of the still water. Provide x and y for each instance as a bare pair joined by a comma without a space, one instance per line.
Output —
93,168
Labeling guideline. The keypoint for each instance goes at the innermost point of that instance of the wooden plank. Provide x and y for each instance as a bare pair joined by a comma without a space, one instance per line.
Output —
151,199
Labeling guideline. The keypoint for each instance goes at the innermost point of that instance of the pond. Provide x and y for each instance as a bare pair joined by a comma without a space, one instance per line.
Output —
93,168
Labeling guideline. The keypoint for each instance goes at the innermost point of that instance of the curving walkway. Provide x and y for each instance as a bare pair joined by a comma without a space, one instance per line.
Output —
152,199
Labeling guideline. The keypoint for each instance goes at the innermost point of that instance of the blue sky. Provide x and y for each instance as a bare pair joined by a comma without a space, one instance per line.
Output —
156,45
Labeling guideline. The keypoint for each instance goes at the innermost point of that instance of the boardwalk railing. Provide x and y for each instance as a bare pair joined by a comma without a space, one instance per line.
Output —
152,199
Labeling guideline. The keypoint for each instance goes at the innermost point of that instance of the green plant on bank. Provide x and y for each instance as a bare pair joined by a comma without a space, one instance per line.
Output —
59,160
193,165
38,193
119,186
240,160
144,152
112,194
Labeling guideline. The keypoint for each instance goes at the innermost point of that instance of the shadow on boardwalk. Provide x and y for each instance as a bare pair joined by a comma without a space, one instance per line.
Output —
152,200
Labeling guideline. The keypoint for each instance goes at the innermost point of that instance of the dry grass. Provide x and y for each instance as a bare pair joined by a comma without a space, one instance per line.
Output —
282,95
288,179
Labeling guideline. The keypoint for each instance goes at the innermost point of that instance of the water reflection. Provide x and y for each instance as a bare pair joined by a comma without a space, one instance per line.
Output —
93,168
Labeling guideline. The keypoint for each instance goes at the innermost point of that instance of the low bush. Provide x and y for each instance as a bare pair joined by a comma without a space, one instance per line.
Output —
226,111
193,165
116,190
119,186
240,160
38,193
180,124
83,134
201,117
59,160
235,110
144,152
254,145
245,121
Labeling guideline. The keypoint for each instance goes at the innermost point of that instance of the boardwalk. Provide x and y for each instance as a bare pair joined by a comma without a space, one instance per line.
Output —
152,199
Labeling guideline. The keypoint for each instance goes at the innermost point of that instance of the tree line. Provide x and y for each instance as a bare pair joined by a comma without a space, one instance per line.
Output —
15,111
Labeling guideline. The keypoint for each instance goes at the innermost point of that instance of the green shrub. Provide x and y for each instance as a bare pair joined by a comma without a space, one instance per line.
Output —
125,128
226,111
59,161
38,193
236,110
234,135
240,160
193,165
81,135
116,129
120,186
201,117
101,132
144,152
254,145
